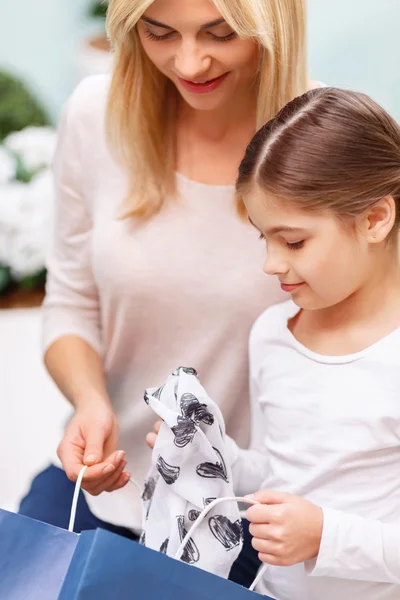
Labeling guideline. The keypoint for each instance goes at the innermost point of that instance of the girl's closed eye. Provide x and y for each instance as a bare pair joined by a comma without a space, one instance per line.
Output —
295,245
291,245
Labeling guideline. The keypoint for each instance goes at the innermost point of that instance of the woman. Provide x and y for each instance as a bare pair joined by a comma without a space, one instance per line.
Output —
144,171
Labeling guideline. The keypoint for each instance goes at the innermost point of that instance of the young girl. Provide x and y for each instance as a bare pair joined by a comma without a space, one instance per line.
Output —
321,183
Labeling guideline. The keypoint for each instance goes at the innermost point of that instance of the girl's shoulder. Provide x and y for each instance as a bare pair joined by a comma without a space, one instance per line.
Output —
272,321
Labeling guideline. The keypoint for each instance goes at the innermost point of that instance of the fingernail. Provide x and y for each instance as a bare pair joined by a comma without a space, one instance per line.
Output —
109,469
91,458
120,456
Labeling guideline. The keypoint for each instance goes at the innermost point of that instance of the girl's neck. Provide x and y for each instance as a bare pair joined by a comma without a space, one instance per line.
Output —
379,294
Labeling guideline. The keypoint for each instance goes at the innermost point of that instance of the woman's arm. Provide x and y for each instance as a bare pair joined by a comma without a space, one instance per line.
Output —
71,316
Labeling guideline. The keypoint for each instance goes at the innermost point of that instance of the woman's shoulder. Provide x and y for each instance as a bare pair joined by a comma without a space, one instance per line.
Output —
88,101
312,85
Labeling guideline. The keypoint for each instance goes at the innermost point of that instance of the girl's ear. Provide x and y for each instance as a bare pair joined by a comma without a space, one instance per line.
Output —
378,222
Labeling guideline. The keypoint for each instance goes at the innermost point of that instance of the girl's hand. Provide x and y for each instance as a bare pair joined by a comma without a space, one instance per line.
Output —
286,529
91,439
151,438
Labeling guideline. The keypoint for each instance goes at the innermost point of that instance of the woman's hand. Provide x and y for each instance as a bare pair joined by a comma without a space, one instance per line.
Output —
91,439
151,437
286,529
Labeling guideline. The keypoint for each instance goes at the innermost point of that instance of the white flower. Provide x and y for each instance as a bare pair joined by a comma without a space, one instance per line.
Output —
26,215
35,146
11,200
8,166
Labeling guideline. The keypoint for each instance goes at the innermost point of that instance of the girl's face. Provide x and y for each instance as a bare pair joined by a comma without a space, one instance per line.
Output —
189,41
319,261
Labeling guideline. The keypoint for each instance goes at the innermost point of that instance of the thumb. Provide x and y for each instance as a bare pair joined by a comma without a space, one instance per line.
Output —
269,497
94,446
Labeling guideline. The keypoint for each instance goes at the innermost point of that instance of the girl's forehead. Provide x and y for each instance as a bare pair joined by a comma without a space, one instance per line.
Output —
269,212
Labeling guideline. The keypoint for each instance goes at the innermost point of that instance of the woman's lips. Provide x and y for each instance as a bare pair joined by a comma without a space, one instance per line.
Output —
203,88
291,287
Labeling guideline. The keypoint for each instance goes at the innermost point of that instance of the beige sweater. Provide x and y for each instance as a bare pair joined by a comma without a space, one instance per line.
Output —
182,289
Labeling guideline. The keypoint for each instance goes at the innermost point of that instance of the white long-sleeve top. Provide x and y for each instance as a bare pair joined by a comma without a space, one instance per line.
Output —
328,429
182,289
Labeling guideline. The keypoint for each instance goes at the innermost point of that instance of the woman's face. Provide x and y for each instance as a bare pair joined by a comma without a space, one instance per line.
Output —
190,43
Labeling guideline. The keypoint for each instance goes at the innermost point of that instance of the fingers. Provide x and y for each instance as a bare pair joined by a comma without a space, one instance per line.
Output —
265,532
107,484
98,477
265,513
122,481
270,497
95,439
151,439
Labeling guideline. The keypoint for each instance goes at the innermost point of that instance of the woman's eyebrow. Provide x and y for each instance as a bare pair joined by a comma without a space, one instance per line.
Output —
164,26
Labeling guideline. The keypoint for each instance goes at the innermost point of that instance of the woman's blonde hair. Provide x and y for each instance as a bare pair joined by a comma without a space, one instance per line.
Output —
142,101
329,149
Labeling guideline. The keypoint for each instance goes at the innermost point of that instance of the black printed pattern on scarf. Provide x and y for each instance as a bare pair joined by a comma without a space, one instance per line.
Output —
164,546
227,533
184,431
191,408
193,515
190,553
149,488
216,470
168,472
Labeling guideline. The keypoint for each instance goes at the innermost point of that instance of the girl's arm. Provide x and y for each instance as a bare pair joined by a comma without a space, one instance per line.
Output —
353,547
250,468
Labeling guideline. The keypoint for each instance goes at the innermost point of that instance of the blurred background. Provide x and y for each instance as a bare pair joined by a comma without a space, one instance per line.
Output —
46,47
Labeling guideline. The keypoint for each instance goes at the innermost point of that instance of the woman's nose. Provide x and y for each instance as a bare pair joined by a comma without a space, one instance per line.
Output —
191,62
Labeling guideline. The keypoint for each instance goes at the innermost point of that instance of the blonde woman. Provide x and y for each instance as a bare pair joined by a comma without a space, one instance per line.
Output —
146,225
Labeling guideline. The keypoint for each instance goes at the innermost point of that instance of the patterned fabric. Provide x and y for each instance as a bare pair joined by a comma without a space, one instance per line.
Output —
190,470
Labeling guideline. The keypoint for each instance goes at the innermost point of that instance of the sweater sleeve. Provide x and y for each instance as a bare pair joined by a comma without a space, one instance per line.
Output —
71,305
353,547
250,467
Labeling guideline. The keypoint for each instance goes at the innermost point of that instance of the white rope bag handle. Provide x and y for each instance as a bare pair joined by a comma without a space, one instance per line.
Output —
201,518
78,486
189,534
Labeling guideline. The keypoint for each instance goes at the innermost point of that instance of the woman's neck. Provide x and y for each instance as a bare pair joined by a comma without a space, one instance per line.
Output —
219,124
211,144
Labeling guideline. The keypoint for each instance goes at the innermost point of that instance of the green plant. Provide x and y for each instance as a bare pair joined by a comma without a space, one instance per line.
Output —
99,9
18,107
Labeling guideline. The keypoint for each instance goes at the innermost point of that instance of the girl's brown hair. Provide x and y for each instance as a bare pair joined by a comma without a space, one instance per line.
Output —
327,149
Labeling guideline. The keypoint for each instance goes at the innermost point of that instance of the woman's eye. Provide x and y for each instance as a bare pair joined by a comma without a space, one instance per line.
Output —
157,38
295,245
224,38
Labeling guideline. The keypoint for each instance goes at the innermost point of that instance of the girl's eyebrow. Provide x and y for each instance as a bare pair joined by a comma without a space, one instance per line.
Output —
278,228
164,26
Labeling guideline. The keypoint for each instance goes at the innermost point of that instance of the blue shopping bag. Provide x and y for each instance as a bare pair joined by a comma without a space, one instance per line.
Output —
108,567
34,558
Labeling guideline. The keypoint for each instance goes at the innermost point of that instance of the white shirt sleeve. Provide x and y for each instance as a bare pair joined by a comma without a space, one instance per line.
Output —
353,547
250,467
71,306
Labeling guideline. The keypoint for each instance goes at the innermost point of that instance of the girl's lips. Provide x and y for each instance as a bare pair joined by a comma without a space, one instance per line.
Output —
203,88
290,287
